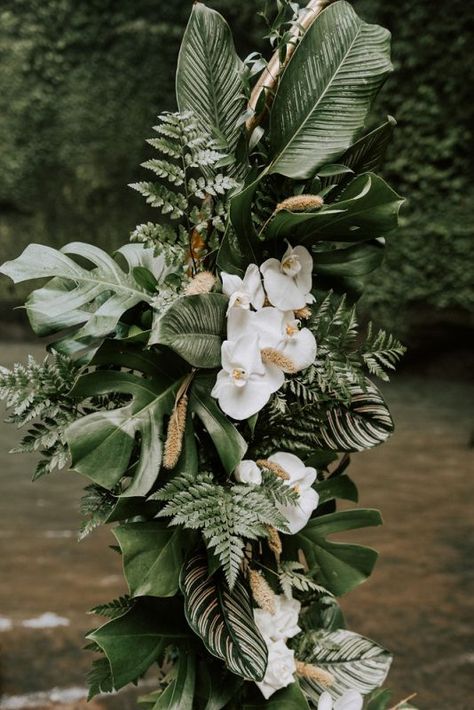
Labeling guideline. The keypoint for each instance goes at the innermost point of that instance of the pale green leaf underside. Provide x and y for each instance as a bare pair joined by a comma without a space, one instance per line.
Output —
326,91
208,75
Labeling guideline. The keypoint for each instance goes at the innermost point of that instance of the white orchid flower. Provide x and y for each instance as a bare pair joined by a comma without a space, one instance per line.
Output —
248,472
352,700
281,625
245,383
301,478
245,292
279,331
288,282
280,668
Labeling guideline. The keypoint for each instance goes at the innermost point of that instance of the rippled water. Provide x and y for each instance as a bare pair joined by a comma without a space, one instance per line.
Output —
419,602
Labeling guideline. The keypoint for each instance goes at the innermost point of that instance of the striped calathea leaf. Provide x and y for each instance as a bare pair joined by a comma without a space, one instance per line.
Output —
355,662
223,619
365,423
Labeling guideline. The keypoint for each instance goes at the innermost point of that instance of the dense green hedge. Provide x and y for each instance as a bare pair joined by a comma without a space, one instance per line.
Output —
80,84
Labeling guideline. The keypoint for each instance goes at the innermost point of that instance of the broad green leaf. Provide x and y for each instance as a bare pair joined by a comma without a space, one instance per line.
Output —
379,699
135,640
208,75
355,662
91,300
290,698
239,246
179,695
230,444
365,423
367,208
347,270
336,487
215,685
102,443
152,556
340,566
367,154
194,327
223,619
326,91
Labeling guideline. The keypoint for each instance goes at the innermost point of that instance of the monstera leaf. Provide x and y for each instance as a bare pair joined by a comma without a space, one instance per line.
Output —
194,327
347,270
367,208
326,91
340,566
223,619
102,443
208,75
365,423
355,662
134,641
92,300
153,555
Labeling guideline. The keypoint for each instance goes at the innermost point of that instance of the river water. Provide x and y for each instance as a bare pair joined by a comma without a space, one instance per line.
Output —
419,602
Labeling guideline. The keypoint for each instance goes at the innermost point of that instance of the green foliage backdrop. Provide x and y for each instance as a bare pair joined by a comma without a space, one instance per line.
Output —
81,83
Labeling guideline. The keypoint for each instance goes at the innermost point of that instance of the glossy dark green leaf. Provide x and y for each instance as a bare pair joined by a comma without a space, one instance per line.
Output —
337,487
208,75
379,699
341,566
179,695
215,685
326,91
239,246
367,154
347,270
152,554
366,208
194,327
290,698
135,640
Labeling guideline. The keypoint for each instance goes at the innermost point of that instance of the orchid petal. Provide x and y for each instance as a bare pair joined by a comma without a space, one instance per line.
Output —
281,290
230,283
252,284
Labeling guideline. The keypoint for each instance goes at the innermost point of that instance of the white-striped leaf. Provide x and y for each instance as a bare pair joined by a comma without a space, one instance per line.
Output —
208,75
362,425
326,91
223,619
355,662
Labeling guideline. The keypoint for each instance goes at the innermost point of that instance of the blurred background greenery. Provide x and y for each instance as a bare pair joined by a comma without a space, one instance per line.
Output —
81,83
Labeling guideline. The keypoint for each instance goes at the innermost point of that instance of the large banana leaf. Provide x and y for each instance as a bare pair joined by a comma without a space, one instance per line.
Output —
326,91
89,300
223,619
340,566
194,327
365,423
367,208
355,662
367,154
208,75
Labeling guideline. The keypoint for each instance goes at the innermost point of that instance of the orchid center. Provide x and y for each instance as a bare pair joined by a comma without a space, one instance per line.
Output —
292,328
239,376
240,299
291,265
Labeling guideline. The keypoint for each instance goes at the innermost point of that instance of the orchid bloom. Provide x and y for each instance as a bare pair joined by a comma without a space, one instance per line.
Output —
352,700
280,671
245,383
245,292
281,625
248,472
278,331
288,282
301,478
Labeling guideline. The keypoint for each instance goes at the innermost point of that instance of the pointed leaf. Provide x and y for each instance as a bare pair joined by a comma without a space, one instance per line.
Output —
340,566
179,695
367,154
365,423
152,555
326,91
223,619
134,641
347,270
194,327
336,487
208,75
355,662
290,698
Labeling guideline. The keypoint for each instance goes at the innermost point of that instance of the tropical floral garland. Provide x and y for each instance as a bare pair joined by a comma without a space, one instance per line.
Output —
210,379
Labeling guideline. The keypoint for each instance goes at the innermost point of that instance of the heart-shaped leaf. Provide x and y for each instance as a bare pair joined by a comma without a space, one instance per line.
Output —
223,619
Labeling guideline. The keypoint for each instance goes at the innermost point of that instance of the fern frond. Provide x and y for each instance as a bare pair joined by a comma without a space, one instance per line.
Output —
114,608
381,351
292,576
172,203
96,505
